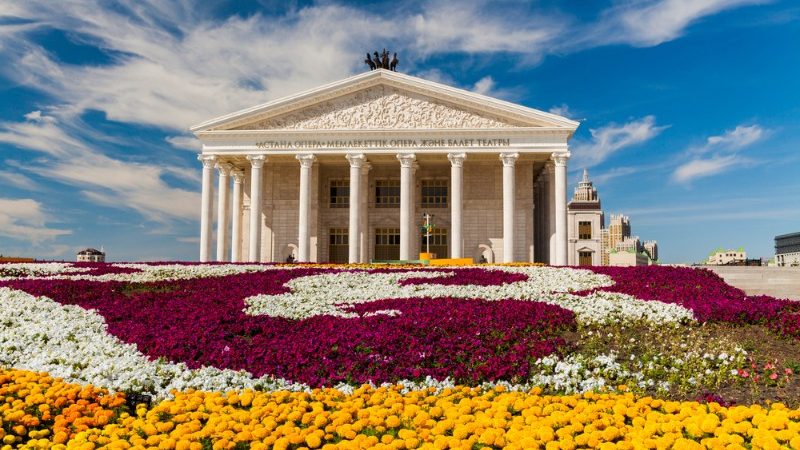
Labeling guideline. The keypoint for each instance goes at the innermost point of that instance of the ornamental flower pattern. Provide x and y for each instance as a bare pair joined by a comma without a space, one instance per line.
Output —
155,327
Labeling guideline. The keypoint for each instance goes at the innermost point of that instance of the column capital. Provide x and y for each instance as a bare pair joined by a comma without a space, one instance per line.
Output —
560,159
306,159
207,160
257,161
365,168
509,159
224,168
238,175
356,160
457,159
406,160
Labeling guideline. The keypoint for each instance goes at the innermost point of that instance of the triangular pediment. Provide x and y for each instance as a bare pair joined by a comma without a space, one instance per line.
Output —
382,100
378,108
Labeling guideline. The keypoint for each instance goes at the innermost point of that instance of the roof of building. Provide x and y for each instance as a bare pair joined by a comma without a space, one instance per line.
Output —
90,251
788,235
524,115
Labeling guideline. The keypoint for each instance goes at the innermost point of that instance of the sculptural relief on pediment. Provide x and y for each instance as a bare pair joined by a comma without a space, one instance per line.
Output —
380,107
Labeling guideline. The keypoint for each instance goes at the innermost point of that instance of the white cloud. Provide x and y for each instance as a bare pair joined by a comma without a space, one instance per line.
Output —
101,179
18,180
561,110
652,22
612,138
484,86
24,219
699,168
185,143
615,172
739,137
718,154
480,27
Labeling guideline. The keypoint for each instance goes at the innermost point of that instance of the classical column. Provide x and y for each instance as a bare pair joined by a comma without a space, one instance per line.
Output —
363,220
456,202
509,192
236,213
406,203
223,210
561,207
206,205
354,230
537,219
551,213
256,163
306,162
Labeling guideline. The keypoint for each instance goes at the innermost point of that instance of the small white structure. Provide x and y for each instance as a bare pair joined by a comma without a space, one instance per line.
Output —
91,255
721,257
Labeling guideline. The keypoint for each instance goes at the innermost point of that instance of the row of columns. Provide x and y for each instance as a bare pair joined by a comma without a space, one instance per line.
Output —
358,165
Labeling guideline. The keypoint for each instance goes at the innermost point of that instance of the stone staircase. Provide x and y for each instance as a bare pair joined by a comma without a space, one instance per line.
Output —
779,282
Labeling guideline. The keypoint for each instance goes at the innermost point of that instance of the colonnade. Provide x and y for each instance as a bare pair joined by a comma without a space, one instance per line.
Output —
553,179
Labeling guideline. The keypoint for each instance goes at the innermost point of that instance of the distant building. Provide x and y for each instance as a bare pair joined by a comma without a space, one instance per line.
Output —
585,223
787,250
651,248
91,255
722,257
590,242
626,258
621,249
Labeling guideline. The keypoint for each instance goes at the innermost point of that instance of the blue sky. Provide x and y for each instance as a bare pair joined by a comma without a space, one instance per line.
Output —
689,109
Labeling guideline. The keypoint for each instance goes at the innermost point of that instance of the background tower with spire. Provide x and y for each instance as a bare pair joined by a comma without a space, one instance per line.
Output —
584,222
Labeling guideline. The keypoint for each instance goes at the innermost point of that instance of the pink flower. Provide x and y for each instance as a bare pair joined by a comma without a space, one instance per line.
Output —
774,376
743,373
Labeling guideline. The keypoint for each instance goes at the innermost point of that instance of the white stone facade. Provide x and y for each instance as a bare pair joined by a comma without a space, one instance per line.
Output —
492,173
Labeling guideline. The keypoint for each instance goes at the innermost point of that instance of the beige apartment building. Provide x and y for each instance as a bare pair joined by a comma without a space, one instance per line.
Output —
345,172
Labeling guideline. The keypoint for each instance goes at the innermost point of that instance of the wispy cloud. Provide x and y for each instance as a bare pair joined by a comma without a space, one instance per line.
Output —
561,110
24,219
718,154
18,180
612,138
652,22
185,143
100,178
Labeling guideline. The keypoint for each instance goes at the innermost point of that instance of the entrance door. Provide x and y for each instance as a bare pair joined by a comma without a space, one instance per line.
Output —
338,246
387,244
584,258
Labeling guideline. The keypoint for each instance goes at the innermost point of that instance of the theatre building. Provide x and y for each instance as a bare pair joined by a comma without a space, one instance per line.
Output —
345,172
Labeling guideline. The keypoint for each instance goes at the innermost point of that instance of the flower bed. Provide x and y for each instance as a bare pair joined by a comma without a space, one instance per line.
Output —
168,329
386,417
705,294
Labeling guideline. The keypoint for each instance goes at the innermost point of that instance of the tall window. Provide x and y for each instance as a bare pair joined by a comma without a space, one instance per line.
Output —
387,193
338,245
585,258
438,242
340,193
434,193
584,230
387,244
